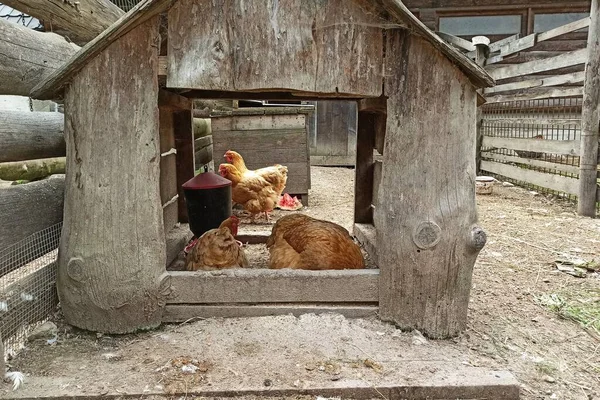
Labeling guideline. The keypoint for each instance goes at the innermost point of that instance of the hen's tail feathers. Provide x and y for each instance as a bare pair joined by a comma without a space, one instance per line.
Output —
16,377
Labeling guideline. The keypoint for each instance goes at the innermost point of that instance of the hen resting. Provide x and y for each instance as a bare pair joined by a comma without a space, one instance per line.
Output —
217,249
302,242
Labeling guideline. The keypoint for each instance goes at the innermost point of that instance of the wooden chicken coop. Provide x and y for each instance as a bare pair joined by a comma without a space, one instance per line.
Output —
415,175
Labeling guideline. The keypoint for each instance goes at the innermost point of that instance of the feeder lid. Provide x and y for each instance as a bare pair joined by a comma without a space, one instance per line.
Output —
206,180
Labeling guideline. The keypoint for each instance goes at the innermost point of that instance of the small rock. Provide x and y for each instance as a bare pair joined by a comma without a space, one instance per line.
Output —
321,368
336,378
189,369
268,382
112,357
507,184
418,338
99,335
296,383
549,379
378,333
45,331
533,193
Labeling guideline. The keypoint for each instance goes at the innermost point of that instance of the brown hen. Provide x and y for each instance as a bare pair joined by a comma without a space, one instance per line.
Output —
217,249
254,193
276,175
302,242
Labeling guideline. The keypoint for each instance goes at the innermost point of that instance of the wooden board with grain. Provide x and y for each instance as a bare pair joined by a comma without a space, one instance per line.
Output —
425,236
570,147
183,131
562,61
576,77
363,181
182,313
542,179
112,259
274,286
296,46
258,122
553,166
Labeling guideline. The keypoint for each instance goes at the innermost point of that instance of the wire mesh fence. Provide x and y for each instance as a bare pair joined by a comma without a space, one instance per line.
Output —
125,5
554,120
27,286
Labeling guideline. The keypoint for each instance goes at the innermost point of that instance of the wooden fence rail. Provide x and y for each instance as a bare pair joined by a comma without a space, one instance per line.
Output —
531,127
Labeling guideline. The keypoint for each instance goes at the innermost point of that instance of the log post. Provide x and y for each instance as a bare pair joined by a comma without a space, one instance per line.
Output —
79,21
427,233
28,56
590,117
112,255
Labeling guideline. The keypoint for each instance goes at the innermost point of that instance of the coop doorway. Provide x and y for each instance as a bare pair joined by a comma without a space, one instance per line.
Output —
267,132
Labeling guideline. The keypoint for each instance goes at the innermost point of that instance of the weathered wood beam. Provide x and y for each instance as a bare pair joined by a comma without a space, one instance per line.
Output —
542,179
184,143
590,117
532,67
557,167
542,93
79,21
31,135
576,77
184,312
28,56
274,286
570,147
30,208
363,182
516,123
457,41
173,101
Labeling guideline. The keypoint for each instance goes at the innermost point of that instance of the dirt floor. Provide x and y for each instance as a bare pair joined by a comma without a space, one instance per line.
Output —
526,316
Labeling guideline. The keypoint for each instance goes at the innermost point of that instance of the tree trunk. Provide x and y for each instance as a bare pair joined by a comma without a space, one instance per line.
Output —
31,135
78,21
32,170
28,56
112,256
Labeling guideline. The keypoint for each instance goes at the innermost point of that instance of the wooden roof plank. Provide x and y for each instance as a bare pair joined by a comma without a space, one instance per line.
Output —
52,86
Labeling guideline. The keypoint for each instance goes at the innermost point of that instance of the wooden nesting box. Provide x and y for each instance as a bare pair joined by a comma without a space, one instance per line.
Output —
266,136
129,148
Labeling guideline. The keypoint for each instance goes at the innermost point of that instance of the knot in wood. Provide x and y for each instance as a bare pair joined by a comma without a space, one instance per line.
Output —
478,238
75,269
427,235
